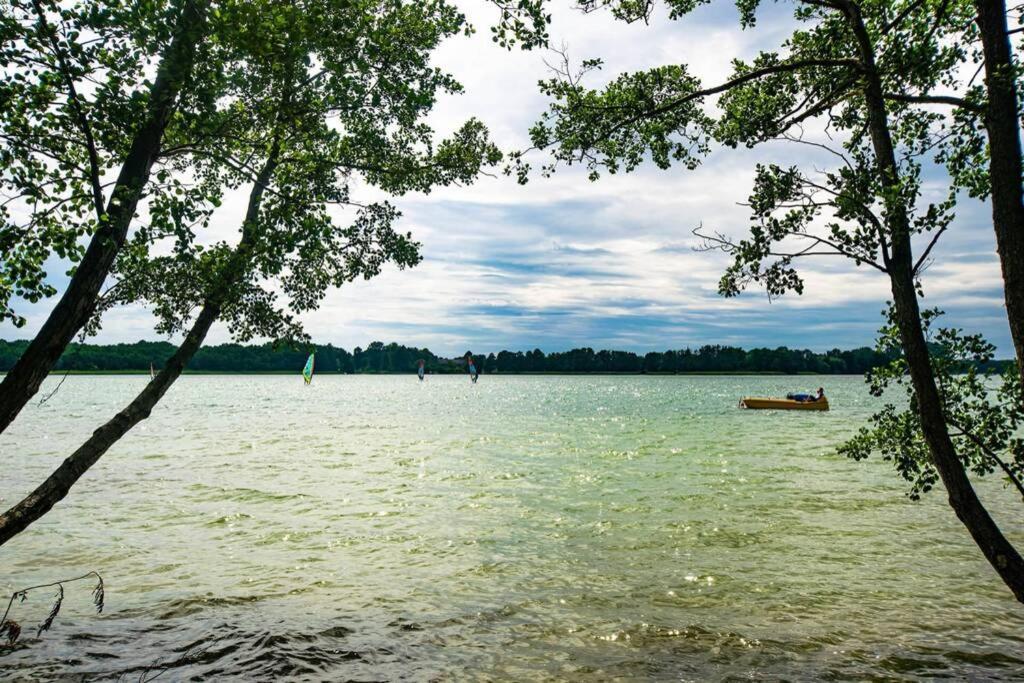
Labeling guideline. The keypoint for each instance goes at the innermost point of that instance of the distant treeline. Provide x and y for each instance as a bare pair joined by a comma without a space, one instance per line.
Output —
383,358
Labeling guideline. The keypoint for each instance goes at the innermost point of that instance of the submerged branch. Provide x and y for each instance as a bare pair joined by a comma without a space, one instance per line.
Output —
12,629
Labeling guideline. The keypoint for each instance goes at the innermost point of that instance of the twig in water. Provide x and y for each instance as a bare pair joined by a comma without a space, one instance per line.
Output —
57,388
161,667
12,629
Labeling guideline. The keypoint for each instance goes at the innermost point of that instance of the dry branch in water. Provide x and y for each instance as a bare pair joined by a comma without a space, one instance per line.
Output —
11,630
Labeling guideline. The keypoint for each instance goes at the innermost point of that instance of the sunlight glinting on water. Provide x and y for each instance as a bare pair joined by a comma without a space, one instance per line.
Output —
524,528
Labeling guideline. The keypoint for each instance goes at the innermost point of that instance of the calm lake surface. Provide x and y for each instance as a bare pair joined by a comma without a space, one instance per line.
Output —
525,528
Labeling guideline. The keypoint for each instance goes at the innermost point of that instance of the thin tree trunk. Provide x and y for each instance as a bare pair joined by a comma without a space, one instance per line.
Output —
57,485
81,296
1004,164
1000,553
998,550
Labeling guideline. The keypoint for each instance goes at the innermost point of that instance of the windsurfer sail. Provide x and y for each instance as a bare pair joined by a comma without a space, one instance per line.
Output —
152,372
473,374
307,372
422,368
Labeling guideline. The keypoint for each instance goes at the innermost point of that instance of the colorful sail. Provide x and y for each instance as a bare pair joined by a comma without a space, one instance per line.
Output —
307,372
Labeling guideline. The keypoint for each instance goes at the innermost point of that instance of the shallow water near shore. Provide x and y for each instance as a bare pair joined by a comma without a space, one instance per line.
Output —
523,528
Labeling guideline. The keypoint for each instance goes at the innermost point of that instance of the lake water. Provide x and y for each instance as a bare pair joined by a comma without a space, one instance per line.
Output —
525,528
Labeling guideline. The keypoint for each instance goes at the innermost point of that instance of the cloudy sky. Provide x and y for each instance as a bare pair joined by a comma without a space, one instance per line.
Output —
564,262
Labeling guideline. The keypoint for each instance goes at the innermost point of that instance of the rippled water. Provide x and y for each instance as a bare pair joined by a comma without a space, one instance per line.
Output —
525,528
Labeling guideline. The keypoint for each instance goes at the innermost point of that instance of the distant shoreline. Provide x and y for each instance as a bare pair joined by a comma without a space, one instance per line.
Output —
396,359
704,373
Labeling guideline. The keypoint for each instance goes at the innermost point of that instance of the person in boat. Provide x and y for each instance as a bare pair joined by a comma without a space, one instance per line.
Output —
422,368
473,375
808,398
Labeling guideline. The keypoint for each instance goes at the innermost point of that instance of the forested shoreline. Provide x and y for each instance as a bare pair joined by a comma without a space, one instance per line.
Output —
380,358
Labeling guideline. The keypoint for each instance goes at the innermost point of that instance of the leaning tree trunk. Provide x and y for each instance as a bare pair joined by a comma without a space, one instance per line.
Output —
1004,164
80,299
997,549
57,485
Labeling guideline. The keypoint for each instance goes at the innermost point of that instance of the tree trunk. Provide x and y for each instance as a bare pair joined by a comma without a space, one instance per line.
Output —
1000,553
80,299
57,485
997,549
1004,163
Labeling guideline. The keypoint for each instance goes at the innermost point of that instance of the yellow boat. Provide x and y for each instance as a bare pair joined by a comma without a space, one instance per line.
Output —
760,403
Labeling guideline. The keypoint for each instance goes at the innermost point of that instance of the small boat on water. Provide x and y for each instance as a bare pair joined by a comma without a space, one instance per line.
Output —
762,403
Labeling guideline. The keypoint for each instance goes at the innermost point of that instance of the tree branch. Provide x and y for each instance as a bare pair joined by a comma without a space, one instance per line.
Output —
936,99
898,19
729,85
988,451
76,106
720,241
928,250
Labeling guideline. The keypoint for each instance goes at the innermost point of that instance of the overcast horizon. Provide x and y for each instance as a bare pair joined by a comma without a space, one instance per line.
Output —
564,263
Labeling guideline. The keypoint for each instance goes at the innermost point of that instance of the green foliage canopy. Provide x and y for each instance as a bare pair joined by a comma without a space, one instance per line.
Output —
338,102
981,404
74,85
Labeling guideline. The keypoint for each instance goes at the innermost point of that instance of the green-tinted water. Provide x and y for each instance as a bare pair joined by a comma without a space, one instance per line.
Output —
526,528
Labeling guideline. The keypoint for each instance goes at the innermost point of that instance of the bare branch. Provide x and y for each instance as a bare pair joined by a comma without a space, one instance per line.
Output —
924,256
22,593
719,242
831,150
